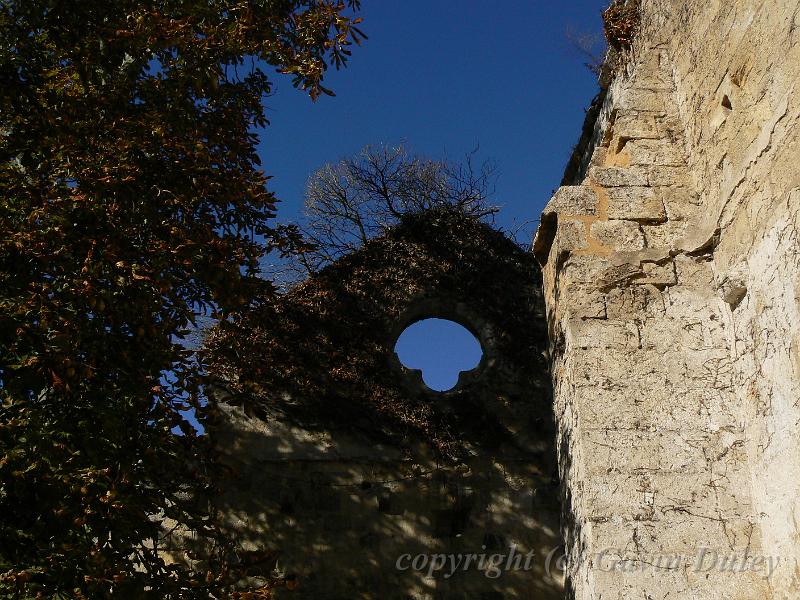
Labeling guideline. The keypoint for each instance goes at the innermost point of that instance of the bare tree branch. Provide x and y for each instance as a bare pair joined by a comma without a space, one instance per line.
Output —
358,198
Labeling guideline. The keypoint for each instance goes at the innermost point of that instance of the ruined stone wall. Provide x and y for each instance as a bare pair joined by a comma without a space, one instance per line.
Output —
349,477
672,278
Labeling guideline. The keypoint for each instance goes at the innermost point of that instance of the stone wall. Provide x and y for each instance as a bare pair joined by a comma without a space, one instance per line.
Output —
672,281
343,462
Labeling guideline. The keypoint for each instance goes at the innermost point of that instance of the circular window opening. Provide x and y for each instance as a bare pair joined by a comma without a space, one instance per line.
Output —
441,349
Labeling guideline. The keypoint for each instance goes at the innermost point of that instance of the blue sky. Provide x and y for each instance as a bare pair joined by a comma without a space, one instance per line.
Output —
440,349
445,77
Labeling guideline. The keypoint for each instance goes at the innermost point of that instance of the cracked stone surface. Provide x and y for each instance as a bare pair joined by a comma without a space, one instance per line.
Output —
672,280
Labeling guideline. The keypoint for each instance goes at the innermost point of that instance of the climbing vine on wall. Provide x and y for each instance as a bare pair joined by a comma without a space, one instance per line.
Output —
320,354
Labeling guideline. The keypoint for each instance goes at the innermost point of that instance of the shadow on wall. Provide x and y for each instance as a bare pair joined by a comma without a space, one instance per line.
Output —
349,477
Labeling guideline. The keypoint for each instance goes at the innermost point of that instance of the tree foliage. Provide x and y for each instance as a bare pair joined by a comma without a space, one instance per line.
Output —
132,201
361,197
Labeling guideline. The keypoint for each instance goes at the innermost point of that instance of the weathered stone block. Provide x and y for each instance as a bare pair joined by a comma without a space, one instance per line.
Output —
710,574
704,330
638,405
721,574
722,491
634,125
680,202
619,176
615,369
619,235
664,235
602,334
636,302
588,302
662,152
618,276
571,235
709,368
616,580
697,277
684,533
635,204
619,495
582,269
658,274
661,175
629,450
642,100
573,200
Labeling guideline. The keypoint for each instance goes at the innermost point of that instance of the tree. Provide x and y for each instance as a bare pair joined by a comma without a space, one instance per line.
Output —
591,46
360,197
132,203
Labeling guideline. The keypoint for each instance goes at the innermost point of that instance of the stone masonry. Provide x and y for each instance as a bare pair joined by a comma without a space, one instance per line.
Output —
349,477
671,264
670,261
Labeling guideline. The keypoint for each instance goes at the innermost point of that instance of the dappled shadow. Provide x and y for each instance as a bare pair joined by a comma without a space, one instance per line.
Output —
343,462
